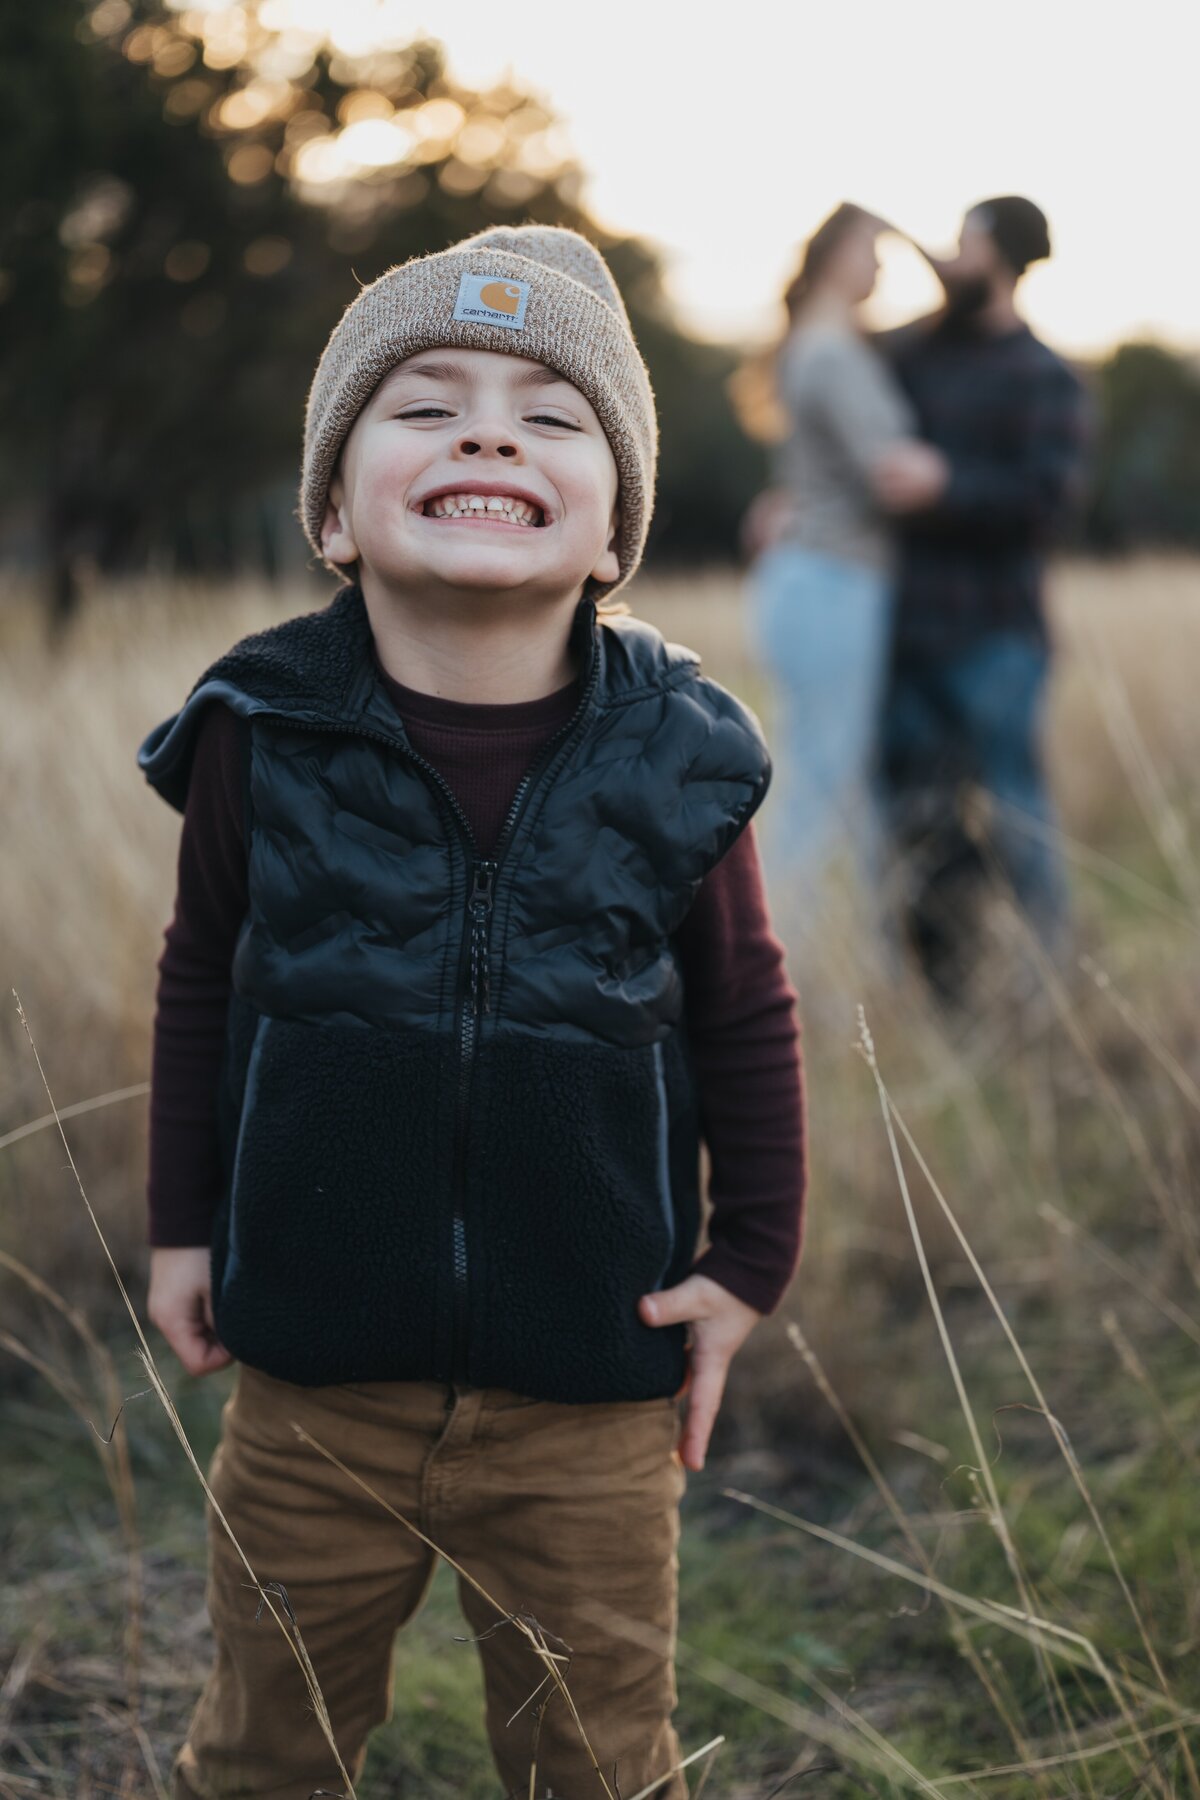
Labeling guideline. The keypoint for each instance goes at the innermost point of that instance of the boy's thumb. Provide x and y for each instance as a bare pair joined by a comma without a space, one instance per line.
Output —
670,1306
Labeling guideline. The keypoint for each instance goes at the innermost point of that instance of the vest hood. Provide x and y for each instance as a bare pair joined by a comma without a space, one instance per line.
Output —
319,670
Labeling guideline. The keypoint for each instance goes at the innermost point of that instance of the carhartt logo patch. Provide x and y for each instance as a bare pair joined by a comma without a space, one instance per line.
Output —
492,300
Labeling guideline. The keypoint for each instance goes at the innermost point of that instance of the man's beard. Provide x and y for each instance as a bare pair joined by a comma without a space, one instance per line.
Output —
967,298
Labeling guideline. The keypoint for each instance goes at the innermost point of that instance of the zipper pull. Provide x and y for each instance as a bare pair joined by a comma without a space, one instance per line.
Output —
482,888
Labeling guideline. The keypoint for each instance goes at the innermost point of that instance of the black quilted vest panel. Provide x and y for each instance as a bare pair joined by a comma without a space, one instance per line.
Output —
460,1129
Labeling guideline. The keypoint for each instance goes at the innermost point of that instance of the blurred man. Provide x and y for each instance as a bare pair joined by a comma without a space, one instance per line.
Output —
970,655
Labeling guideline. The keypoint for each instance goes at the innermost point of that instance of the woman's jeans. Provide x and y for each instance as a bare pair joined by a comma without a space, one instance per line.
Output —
821,627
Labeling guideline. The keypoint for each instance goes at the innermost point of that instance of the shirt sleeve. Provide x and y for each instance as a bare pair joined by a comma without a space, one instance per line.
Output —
745,1043
194,987
1034,488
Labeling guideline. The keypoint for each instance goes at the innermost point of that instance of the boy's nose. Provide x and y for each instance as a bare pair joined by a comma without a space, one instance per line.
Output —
483,441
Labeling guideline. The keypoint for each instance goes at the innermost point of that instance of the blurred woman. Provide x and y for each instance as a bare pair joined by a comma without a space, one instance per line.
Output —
821,581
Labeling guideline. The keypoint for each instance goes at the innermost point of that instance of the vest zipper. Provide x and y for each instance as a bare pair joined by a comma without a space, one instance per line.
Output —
474,973
472,970
477,996
474,1002
480,908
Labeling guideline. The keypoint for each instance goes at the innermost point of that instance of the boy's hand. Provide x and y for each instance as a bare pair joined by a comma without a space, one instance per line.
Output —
720,1324
180,1304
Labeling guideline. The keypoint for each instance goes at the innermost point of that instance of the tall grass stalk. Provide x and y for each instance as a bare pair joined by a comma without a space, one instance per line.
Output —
1145,1034
995,1511
1162,1303
854,1746
1175,1217
1058,1432
1137,1371
961,1637
864,1728
112,1449
1088,857
710,1750
289,1627
1074,1648
1162,818
1104,1747
136,1092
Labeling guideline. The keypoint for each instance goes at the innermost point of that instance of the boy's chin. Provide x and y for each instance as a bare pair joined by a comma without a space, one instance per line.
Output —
485,571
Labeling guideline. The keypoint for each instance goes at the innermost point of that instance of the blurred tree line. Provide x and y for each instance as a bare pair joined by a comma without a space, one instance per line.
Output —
191,198
1145,486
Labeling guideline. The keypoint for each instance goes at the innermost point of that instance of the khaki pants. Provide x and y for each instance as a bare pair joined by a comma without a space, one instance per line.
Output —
551,1508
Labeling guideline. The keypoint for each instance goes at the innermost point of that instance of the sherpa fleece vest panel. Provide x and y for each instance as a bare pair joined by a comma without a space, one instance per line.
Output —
460,1126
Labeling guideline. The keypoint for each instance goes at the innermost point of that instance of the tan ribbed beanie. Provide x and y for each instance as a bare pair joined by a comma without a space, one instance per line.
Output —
535,291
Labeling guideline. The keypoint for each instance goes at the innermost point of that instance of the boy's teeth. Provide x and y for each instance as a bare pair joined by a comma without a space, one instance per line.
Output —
453,506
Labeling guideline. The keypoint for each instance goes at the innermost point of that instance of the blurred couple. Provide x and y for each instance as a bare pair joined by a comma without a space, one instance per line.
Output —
896,590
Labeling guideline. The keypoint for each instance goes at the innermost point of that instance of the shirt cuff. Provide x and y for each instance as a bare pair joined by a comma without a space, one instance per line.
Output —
755,1287
191,1232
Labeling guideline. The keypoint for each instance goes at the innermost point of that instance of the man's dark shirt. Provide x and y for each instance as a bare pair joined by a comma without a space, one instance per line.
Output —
1010,417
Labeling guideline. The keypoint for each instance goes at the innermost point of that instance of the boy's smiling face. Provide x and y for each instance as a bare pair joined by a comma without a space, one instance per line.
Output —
474,470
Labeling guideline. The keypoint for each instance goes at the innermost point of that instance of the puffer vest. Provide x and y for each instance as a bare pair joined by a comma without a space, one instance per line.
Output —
459,1129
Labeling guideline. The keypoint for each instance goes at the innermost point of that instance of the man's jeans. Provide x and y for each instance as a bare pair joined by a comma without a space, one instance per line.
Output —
959,720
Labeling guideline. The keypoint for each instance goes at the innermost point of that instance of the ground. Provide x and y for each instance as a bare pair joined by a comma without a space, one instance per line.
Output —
1062,1136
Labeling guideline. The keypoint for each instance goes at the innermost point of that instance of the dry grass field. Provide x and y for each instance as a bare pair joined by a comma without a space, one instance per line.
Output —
964,1555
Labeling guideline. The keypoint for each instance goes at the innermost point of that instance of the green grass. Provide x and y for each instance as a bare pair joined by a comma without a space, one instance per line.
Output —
778,1630
758,1598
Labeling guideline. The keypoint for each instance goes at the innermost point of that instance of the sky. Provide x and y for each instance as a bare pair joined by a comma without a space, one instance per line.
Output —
725,133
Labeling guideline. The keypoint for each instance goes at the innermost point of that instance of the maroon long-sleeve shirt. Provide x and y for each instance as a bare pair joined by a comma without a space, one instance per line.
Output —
740,1006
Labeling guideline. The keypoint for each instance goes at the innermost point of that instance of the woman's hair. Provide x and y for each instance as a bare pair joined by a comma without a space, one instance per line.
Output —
820,250
754,388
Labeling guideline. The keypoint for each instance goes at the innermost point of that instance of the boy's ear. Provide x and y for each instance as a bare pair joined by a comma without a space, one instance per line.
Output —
337,540
607,568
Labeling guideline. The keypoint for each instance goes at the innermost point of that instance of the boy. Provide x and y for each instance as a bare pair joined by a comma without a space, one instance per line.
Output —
470,941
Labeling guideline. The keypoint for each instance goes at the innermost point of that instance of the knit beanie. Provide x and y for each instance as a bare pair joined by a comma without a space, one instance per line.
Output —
533,290
1018,228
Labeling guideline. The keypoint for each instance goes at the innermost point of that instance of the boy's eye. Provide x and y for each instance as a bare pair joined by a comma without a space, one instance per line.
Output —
444,412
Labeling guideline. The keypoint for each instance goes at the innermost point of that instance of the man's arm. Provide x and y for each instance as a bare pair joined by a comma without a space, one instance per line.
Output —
1033,491
894,341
